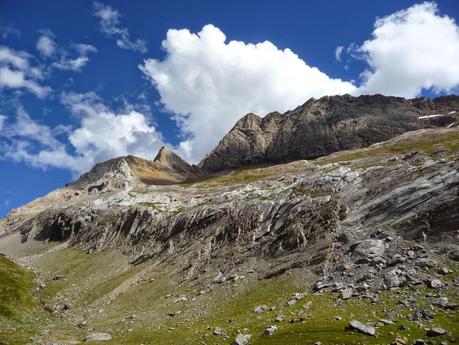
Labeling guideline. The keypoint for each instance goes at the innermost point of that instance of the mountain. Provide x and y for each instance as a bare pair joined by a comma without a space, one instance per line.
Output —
323,126
355,246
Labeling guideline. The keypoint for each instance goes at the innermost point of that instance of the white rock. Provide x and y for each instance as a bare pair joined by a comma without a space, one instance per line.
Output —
98,336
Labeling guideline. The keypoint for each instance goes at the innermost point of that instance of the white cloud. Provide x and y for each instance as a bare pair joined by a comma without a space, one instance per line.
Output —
76,59
7,29
110,25
209,83
73,58
16,72
69,64
338,52
412,50
100,135
46,45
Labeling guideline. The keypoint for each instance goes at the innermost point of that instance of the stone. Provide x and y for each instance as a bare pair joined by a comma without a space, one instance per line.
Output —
182,298
363,328
369,249
420,342
436,284
260,309
436,331
296,297
421,314
242,339
346,293
444,271
396,259
440,302
346,266
426,262
386,322
393,278
279,318
270,330
400,341
98,336
218,331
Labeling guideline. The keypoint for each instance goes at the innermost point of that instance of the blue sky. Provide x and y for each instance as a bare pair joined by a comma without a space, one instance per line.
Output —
83,81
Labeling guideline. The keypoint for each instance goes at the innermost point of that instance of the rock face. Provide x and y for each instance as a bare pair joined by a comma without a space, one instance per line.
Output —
355,222
327,125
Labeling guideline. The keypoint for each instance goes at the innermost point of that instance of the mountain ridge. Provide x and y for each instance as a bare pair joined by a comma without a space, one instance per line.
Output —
323,126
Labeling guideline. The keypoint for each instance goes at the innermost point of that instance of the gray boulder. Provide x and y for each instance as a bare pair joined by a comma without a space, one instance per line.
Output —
362,328
369,249
242,339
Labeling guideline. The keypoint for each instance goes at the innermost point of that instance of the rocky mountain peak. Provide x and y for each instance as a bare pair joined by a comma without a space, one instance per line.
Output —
163,155
322,126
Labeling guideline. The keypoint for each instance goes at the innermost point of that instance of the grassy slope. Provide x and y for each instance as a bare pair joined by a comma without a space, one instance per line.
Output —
229,306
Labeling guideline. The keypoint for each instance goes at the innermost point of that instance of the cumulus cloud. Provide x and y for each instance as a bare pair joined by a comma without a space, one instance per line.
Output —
17,73
412,50
110,25
45,44
208,83
100,135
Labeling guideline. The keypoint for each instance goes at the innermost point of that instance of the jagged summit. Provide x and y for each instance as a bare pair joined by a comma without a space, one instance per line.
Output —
126,171
163,155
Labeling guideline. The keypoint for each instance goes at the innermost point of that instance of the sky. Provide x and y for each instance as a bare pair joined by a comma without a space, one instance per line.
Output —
85,81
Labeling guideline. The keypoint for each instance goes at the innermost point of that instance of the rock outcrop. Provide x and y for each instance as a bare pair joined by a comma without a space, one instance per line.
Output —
327,125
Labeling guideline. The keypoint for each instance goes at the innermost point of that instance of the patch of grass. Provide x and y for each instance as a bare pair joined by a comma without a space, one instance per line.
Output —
425,144
154,205
15,286
236,177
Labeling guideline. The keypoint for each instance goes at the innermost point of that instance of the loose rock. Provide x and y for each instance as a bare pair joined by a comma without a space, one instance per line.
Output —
270,330
242,339
363,328
98,336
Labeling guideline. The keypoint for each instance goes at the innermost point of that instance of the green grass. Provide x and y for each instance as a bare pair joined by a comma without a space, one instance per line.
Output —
229,306
15,286
425,144
236,177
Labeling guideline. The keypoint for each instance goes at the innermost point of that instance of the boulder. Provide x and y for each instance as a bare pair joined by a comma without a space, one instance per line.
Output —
436,331
242,339
270,330
346,293
436,284
426,262
260,309
362,328
369,249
